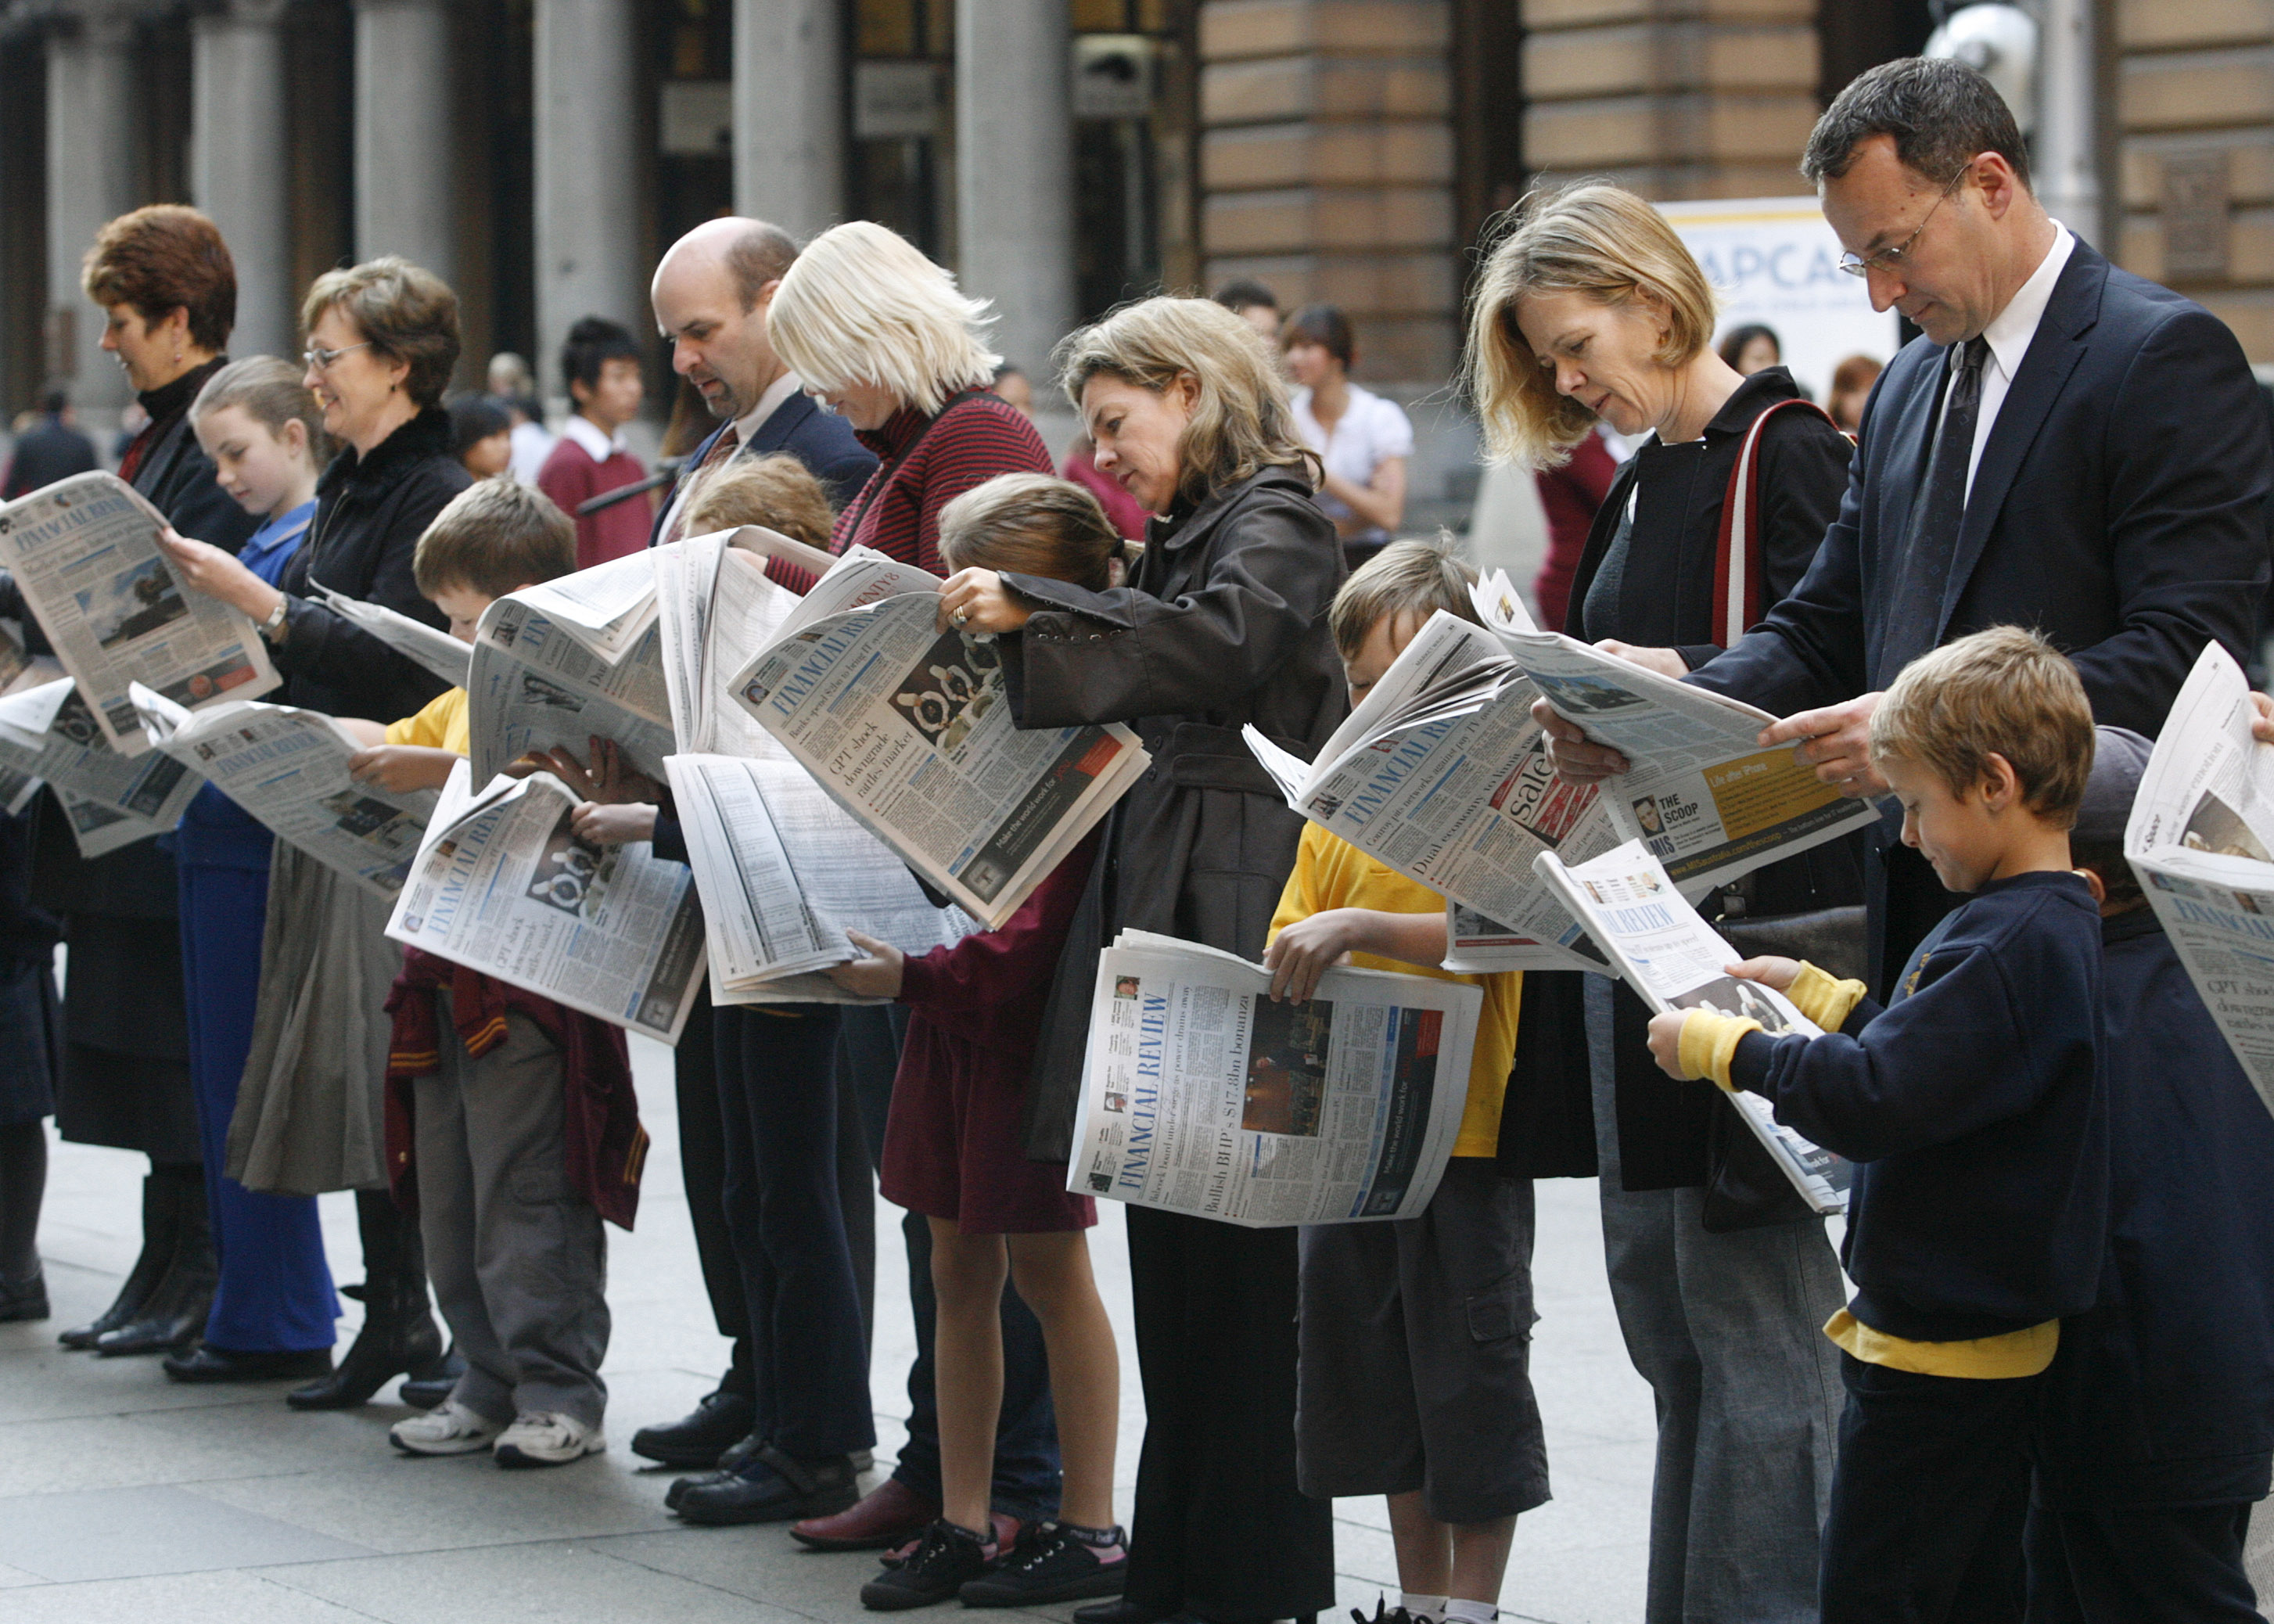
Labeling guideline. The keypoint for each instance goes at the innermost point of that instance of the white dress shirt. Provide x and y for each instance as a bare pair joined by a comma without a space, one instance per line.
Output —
2009,335
748,423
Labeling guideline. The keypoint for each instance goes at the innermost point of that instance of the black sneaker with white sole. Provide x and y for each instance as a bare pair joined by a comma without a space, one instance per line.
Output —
1053,1562
946,1559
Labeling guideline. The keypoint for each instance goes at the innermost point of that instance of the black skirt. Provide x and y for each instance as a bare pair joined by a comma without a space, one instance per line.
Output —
125,1075
31,1042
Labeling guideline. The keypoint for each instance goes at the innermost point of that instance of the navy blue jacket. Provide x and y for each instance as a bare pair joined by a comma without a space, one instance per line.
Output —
821,439
2163,1394
1974,1108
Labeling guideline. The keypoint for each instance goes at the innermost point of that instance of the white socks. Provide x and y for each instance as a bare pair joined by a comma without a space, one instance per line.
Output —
1458,1612
1422,1609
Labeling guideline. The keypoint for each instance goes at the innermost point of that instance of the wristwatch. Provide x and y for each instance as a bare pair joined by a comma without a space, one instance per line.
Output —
275,624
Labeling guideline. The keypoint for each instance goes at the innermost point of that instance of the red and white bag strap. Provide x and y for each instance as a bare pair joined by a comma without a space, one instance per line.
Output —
1739,562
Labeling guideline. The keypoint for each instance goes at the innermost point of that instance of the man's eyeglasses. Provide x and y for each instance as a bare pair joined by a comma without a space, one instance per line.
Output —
1891,259
320,360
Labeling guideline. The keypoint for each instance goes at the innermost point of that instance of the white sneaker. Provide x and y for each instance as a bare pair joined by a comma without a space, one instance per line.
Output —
449,1428
543,1437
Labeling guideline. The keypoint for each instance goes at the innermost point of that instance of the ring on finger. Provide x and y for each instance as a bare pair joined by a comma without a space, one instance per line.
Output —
959,617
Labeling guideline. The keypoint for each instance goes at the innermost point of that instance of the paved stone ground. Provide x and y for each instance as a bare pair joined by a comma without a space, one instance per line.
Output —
125,1498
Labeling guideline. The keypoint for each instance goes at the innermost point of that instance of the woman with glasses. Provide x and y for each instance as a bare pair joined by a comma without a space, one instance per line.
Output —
382,339
1591,309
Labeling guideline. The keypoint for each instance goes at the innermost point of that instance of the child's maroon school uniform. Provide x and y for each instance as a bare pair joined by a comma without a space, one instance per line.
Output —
953,1144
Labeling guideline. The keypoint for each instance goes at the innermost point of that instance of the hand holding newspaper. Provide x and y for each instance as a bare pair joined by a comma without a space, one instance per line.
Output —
86,554
503,885
544,676
1674,960
1202,1095
49,733
2202,839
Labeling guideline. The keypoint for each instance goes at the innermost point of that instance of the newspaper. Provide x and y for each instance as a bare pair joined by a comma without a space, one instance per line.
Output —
715,609
98,829
49,733
1202,1095
1475,945
86,554
783,874
288,769
425,646
1674,960
2202,839
607,608
538,683
908,729
501,884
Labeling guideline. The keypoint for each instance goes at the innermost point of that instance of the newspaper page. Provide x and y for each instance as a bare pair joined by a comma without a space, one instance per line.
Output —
715,608
908,729
1674,960
1475,945
50,733
1202,1095
99,827
425,646
607,608
783,874
85,552
534,686
288,768
2202,840
501,884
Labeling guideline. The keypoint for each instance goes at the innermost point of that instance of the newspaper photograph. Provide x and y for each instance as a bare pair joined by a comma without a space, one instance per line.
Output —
503,885
535,685
715,608
98,829
908,728
783,874
1674,960
1202,1095
2202,840
1475,945
426,646
86,554
288,769
49,733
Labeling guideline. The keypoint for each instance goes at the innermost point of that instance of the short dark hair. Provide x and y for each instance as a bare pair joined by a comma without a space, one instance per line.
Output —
1322,325
473,420
403,311
2106,859
594,342
1942,115
56,401
761,255
494,535
162,258
1244,293
1738,339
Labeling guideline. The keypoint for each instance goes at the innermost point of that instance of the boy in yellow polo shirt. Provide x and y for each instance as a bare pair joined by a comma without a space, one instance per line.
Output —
1413,1376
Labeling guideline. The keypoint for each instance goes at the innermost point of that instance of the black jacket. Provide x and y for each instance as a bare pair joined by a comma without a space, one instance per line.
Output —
2164,1394
178,476
369,511
821,439
52,449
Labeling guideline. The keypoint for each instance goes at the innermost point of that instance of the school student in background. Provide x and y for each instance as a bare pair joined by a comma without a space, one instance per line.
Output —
601,362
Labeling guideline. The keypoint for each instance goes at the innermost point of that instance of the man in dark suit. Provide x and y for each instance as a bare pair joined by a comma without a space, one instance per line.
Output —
52,449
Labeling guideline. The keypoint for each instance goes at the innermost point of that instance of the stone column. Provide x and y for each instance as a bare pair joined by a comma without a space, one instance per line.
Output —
1014,170
91,123
589,259
237,169
404,137
789,113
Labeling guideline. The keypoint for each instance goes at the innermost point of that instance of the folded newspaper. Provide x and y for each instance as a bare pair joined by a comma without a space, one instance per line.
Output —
544,676
715,608
503,885
908,728
425,646
86,555
49,733
1674,960
2202,839
1202,1095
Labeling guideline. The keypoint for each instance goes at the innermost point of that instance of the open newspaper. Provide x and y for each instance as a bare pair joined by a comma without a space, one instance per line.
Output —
2202,839
541,678
49,733
86,554
1674,960
908,729
1201,1094
503,885
425,646
288,769
715,609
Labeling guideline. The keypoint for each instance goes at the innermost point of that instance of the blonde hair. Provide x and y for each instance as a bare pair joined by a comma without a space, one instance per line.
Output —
1406,577
1241,423
270,392
776,491
1031,524
1594,239
403,311
493,537
2003,692
861,305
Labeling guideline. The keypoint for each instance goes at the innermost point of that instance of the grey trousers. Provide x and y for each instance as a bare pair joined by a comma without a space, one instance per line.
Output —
1727,1331
519,1264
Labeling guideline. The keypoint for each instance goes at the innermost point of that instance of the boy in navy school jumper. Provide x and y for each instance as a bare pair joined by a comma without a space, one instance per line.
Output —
1974,1108
2156,1428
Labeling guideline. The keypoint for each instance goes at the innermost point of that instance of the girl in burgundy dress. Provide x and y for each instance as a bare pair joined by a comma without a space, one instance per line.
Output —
954,1151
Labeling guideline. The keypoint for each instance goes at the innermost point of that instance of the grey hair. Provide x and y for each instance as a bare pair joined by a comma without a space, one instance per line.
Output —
761,255
1942,115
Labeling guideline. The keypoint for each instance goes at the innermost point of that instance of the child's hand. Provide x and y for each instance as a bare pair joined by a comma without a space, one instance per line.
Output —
1768,970
614,824
401,768
1666,1042
880,975
1305,951
614,778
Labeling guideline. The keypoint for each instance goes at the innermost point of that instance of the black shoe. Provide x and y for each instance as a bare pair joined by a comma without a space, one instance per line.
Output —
160,1221
739,1452
207,1363
1051,1563
718,1424
770,1487
430,1384
1121,1611
23,1299
946,1559
399,1336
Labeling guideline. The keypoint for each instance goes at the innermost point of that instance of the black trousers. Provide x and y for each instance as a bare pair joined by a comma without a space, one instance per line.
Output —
702,1172
1928,1500
1219,1528
2167,1565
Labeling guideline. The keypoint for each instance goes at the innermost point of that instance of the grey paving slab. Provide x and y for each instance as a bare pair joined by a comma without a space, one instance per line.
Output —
557,1581
128,1533
175,1598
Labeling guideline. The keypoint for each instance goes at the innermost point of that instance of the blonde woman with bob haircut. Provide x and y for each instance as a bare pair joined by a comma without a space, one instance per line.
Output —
882,337
1222,623
1590,308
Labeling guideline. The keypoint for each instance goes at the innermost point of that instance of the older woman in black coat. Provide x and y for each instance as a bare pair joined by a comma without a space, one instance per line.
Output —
1223,624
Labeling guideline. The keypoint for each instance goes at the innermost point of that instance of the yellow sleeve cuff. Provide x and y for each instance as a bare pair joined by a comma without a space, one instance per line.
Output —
1824,997
1709,1043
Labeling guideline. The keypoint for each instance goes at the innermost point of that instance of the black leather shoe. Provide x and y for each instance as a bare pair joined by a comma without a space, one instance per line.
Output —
207,1363
162,1193
172,1321
718,1424
23,1299
432,1382
772,1487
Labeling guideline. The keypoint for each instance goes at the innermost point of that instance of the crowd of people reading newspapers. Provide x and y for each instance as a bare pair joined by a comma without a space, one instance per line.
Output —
1887,833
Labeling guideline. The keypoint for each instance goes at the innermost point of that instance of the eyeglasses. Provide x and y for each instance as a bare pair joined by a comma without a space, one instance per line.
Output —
320,360
1891,259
